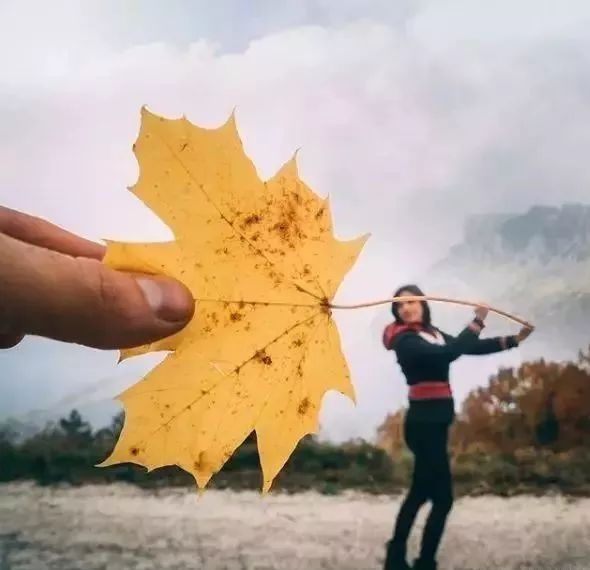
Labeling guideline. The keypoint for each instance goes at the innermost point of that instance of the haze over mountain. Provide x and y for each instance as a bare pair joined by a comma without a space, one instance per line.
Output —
534,264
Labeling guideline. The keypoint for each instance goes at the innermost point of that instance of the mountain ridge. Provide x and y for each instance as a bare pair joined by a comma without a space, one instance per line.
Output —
536,264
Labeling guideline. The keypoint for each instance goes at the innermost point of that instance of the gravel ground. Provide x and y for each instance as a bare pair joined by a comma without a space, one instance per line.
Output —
123,527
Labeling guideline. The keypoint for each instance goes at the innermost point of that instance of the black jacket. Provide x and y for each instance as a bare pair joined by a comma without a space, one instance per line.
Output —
425,361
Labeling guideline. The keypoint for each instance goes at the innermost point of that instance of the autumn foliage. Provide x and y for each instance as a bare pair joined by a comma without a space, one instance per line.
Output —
527,431
533,421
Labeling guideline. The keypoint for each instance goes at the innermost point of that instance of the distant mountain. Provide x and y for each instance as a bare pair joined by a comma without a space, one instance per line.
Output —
536,265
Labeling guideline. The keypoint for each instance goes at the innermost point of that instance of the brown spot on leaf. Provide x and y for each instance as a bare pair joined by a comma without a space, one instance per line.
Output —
261,356
288,227
319,213
200,460
282,228
134,451
297,343
250,220
303,406
236,316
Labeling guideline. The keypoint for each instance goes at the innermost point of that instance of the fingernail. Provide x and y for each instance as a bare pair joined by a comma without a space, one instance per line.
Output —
168,299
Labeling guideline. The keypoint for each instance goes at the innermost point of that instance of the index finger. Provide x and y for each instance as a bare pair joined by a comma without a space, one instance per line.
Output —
36,231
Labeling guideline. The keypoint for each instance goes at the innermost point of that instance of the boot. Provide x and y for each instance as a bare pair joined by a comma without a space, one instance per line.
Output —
395,557
422,564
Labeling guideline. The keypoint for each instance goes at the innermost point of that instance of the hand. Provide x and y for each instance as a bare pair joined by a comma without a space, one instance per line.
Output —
53,284
524,332
481,311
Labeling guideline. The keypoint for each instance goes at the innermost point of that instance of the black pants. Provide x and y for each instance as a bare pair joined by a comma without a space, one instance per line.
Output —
431,480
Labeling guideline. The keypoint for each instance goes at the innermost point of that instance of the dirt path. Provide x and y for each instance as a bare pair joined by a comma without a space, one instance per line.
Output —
120,527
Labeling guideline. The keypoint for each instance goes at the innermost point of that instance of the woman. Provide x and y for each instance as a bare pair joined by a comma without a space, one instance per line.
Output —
424,353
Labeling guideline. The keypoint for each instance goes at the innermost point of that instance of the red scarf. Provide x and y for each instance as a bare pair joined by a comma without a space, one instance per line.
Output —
393,329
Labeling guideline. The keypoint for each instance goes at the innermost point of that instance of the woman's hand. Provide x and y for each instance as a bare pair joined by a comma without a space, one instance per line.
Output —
481,311
524,332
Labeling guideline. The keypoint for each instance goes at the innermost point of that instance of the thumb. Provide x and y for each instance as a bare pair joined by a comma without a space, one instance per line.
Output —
80,300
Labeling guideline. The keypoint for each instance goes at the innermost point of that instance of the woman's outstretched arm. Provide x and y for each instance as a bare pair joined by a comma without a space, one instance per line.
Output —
485,345
410,346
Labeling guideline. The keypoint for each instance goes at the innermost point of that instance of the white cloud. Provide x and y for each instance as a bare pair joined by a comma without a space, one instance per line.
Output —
406,131
502,25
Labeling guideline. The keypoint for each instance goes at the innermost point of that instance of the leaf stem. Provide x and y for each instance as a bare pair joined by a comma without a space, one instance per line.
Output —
432,298
375,303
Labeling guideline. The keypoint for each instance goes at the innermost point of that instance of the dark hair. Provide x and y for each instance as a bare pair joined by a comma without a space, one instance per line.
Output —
414,290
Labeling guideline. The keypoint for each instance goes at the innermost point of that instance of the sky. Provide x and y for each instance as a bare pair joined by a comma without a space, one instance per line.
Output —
410,115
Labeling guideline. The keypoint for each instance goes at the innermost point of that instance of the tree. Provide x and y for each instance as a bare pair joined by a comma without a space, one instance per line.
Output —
539,404
390,434
76,430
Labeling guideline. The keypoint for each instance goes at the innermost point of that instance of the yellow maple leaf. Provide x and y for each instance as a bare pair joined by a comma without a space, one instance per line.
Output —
263,265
